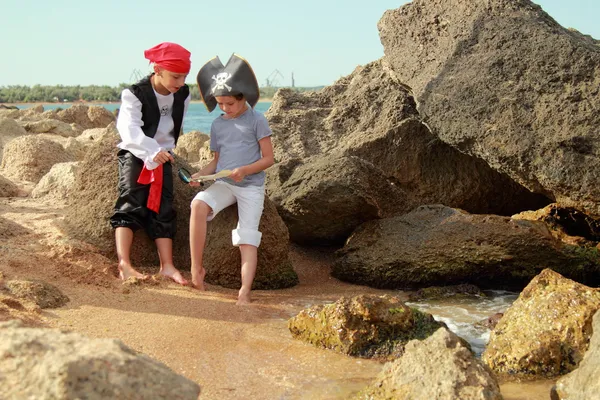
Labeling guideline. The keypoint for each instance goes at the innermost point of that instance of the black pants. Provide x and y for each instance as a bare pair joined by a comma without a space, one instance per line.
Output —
130,208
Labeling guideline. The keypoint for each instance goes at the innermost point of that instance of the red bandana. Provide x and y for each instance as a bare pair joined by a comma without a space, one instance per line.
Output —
170,56
154,177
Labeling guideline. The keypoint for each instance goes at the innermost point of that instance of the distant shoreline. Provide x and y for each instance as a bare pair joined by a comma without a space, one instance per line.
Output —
87,103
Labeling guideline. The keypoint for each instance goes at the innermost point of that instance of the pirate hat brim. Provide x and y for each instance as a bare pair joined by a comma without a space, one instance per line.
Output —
236,77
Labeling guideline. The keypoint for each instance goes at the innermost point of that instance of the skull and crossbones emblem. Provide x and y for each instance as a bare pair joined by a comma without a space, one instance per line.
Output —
220,80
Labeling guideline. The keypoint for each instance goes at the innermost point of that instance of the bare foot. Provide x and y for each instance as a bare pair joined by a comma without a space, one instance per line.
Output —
171,272
198,278
127,271
243,297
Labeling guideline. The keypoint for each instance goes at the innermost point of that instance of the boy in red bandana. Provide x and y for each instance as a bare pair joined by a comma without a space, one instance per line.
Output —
149,122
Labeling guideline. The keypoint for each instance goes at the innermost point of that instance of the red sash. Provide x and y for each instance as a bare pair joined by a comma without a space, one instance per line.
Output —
154,177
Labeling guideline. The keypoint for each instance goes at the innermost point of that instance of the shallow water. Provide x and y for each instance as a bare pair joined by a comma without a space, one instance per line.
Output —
461,315
196,119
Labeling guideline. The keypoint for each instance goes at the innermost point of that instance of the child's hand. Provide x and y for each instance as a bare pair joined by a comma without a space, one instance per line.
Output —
196,184
163,157
238,174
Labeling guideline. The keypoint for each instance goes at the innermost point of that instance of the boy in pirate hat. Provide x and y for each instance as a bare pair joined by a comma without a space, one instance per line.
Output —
149,122
240,140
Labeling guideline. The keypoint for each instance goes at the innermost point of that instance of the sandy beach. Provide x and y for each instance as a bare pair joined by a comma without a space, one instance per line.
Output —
232,352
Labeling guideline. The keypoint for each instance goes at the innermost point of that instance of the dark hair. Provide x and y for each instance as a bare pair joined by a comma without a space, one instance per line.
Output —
239,96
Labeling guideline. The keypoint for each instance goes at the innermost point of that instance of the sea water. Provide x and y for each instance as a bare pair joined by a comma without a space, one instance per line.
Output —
196,119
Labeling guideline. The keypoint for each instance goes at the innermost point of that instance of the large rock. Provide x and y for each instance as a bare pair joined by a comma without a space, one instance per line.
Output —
372,117
94,135
566,223
190,144
222,260
437,245
21,309
326,197
462,291
502,81
94,194
30,157
439,367
9,113
363,326
546,331
44,294
31,112
10,229
9,129
84,117
51,364
57,183
50,126
90,137
100,117
584,382
8,188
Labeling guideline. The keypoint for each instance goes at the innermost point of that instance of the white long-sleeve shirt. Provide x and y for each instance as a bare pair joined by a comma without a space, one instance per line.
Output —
129,125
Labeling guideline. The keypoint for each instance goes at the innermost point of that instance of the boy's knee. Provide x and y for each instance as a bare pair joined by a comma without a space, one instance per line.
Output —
243,236
200,209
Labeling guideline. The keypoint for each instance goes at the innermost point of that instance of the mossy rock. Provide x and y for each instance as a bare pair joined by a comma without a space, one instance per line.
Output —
365,326
464,290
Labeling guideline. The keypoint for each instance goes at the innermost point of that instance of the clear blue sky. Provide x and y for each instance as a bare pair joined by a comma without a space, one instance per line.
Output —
85,42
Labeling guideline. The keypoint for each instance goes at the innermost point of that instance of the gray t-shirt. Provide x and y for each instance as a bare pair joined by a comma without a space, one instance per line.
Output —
236,141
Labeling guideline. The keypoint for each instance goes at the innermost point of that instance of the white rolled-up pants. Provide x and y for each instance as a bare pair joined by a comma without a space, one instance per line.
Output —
250,201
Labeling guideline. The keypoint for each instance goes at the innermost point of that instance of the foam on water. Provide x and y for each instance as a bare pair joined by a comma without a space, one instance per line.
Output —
461,315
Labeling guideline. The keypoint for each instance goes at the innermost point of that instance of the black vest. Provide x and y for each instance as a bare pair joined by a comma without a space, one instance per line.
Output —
150,112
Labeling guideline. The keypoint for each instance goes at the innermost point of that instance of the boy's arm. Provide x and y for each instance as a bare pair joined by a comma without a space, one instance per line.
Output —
129,125
209,168
267,159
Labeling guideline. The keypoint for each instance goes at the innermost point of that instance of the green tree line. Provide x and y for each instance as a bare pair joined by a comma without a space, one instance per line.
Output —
60,93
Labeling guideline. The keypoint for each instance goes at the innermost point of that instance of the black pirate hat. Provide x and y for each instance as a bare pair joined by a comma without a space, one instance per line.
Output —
235,78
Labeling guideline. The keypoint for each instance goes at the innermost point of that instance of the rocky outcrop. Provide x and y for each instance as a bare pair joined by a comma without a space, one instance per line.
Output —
84,117
8,188
95,203
99,117
583,383
50,126
9,229
190,144
31,112
566,224
326,197
94,135
9,129
48,363
30,157
43,294
11,308
504,82
489,322
57,183
370,116
438,245
364,326
222,260
444,292
439,367
546,331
